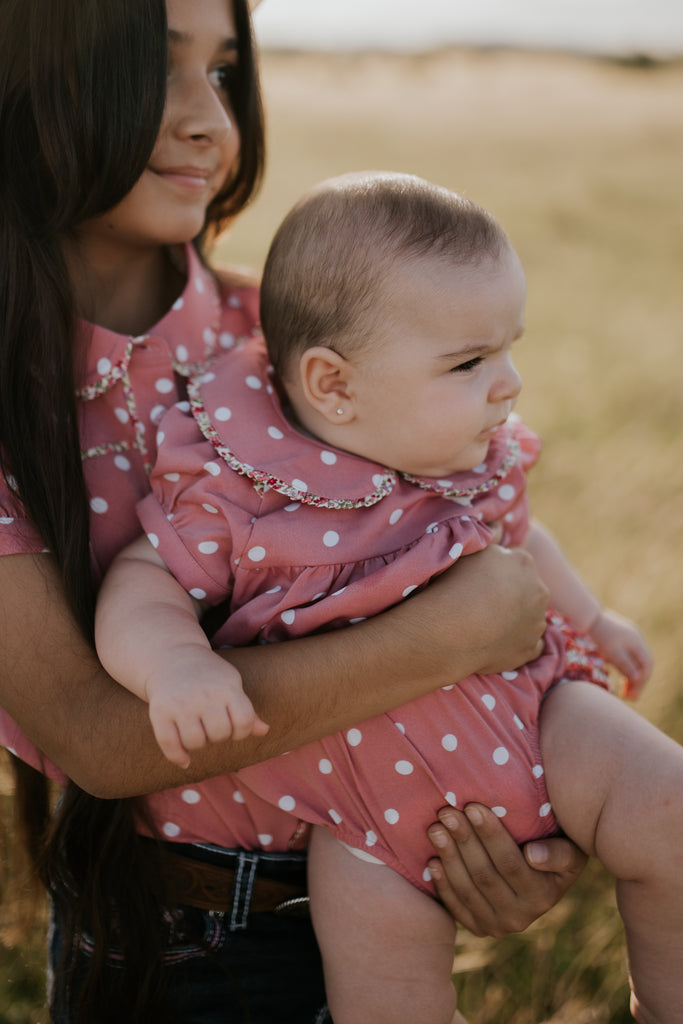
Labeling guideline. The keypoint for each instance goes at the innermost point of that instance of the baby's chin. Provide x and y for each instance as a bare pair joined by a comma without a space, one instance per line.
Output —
467,465
432,473
464,461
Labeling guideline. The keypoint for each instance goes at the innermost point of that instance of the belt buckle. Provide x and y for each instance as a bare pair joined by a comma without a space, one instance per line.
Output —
296,907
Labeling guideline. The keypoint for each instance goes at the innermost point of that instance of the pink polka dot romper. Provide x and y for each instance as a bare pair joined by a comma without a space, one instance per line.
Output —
302,538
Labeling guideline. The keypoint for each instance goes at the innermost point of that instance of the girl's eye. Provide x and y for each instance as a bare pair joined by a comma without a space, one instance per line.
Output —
225,77
471,364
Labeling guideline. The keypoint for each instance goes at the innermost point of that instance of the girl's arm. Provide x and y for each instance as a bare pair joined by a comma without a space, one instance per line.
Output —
619,640
149,639
485,614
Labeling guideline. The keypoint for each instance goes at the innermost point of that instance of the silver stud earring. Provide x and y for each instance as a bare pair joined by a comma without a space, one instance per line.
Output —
340,412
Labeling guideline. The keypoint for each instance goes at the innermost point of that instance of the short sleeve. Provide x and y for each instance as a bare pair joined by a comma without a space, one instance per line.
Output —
187,517
17,533
13,739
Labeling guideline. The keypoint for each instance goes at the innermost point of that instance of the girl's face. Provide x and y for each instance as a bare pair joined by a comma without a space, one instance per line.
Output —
198,141
431,391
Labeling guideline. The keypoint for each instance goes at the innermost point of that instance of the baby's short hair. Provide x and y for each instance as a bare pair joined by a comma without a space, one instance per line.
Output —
338,245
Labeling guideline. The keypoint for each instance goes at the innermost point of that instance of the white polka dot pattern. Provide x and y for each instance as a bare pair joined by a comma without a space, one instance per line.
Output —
435,756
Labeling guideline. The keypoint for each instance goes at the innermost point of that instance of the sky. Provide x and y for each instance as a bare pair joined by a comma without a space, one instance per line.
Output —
615,27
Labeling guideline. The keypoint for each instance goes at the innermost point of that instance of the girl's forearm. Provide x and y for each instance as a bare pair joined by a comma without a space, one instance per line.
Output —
486,615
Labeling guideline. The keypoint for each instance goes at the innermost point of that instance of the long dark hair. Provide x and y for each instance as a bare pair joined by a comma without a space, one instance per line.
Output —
82,91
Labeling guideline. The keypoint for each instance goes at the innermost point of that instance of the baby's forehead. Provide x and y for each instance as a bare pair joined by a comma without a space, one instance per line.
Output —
428,289
439,264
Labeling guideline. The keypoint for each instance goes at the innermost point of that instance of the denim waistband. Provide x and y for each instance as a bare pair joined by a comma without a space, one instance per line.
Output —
270,865
248,866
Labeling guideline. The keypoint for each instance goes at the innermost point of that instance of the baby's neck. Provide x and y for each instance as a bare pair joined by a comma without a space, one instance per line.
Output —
294,419
304,420
311,424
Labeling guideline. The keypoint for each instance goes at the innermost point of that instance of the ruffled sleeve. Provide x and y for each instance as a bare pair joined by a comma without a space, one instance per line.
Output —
17,533
13,739
187,516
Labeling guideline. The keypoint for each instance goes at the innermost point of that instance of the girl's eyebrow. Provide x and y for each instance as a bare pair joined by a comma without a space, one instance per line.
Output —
186,39
181,38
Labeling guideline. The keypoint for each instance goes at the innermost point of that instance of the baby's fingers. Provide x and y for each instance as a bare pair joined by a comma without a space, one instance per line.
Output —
232,720
260,728
169,740
217,724
637,676
245,721
634,669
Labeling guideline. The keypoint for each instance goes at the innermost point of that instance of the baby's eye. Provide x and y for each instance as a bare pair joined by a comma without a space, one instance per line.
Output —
470,364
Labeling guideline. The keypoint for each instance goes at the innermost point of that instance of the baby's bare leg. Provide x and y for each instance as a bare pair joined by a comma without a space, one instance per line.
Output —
387,948
616,786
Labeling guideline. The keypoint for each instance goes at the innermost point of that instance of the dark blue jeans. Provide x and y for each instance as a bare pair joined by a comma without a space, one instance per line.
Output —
222,967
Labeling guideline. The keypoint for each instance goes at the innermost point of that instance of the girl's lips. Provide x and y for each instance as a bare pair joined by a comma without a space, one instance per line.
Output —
186,177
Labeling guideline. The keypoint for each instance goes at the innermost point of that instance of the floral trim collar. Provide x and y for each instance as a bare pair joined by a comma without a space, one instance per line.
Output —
237,410
451,489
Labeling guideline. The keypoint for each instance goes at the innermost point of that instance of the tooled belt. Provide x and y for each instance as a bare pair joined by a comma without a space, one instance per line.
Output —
207,886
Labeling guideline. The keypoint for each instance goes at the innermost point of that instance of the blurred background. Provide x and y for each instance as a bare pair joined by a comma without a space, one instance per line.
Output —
585,26
565,118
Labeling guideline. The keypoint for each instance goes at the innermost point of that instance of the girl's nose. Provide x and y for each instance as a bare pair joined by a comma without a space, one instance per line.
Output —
201,114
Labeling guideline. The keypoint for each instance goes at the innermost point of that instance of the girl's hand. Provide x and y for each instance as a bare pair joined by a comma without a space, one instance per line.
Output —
486,882
622,645
506,603
197,700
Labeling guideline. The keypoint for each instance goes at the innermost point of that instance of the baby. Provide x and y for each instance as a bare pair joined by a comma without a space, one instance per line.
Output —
318,482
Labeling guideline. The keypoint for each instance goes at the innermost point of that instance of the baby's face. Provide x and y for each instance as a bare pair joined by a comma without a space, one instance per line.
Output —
436,385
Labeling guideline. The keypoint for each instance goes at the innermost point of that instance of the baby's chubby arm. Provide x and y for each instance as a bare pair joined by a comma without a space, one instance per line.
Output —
619,640
149,639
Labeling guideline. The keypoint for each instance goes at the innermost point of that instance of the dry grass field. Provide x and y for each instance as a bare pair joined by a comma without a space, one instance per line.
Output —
582,161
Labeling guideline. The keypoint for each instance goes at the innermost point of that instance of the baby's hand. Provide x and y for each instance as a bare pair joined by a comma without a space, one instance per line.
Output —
199,700
622,644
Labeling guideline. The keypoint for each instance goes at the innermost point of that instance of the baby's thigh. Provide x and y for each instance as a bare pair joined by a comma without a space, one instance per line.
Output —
379,786
614,779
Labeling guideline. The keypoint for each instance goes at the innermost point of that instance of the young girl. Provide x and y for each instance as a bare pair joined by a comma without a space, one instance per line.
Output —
129,128
390,308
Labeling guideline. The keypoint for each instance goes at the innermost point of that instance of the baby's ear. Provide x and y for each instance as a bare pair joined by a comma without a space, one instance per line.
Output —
325,376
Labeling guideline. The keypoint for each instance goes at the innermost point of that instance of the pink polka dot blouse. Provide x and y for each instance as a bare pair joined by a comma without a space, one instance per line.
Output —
127,386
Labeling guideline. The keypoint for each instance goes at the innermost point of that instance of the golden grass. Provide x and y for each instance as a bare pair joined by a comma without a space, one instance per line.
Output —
582,161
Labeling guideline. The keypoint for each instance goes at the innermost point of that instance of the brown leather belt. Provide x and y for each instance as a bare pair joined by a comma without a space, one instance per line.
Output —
195,883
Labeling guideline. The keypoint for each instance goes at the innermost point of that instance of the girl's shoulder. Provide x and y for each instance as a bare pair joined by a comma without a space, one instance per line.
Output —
236,277
239,287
